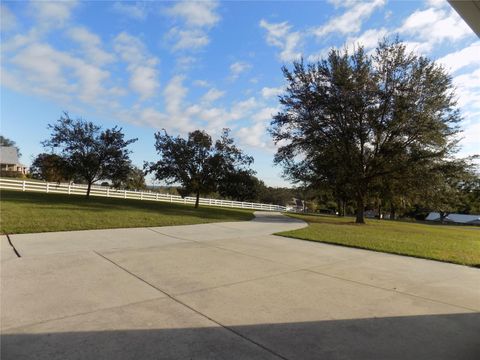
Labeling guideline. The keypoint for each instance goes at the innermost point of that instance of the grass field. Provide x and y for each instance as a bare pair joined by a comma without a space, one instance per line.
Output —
27,212
456,244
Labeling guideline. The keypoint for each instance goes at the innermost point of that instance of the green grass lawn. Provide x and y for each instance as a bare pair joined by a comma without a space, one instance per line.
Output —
27,212
456,244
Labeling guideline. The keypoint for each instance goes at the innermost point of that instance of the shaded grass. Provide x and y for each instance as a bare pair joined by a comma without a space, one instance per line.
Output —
455,244
27,212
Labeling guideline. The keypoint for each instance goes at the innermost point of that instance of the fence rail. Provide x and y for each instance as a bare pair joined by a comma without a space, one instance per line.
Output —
104,191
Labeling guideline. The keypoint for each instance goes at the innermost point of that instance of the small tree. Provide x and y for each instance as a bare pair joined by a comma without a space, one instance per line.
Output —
196,163
135,180
50,167
90,153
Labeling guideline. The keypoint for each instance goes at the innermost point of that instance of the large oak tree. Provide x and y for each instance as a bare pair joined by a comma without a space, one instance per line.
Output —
354,120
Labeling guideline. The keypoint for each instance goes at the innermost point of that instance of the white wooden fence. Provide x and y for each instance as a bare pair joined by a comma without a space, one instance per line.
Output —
63,188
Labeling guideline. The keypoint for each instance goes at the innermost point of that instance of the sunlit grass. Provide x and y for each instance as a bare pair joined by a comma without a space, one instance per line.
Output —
456,244
27,212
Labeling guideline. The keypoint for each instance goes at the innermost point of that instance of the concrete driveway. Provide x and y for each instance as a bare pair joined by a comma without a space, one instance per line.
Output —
229,291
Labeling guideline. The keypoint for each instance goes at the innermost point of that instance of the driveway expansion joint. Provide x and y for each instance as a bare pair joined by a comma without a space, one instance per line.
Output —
392,290
172,297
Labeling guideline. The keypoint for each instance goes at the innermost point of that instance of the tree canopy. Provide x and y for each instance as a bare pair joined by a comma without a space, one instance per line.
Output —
362,125
89,152
196,163
50,167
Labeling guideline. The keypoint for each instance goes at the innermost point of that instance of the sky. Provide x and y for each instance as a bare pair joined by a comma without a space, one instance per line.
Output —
181,66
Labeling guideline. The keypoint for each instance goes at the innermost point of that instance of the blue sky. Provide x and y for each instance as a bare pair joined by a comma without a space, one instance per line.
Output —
185,65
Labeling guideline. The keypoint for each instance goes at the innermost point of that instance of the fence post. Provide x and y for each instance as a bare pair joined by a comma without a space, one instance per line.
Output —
156,197
124,194
23,185
171,198
141,195
108,192
47,187
69,189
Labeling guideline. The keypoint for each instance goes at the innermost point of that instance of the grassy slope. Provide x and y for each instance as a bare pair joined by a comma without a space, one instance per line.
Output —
26,212
456,244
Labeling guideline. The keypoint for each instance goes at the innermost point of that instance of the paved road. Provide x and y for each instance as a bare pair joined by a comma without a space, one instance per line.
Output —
229,291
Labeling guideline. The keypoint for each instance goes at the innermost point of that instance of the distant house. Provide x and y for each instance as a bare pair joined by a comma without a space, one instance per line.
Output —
455,218
9,162
296,205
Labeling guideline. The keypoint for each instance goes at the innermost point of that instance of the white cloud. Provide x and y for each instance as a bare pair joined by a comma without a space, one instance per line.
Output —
175,94
212,95
342,3
238,68
8,21
196,17
53,13
243,109
43,70
201,83
279,35
196,13
435,25
188,39
141,65
468,89
270,92
91,44
350,21
252,135
368,39
135,10
467,56
265,114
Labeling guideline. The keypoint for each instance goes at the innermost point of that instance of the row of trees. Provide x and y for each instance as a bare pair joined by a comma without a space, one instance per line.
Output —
81,151
377,128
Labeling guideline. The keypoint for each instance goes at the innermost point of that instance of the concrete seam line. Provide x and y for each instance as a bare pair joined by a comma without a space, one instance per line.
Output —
391,290
80,314
13,247
238,282
171,236
196,311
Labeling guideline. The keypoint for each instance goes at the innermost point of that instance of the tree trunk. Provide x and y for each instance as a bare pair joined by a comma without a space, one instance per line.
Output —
443,216
392,212
197,201
360,219
88,189
340,208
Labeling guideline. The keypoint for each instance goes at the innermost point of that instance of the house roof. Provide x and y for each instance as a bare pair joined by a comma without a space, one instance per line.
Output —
469,10
8,155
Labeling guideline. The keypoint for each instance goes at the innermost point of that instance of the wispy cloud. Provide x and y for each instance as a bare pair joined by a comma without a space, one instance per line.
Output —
238,68
141,65
136,10
350,21
195,18
281,36
8,21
